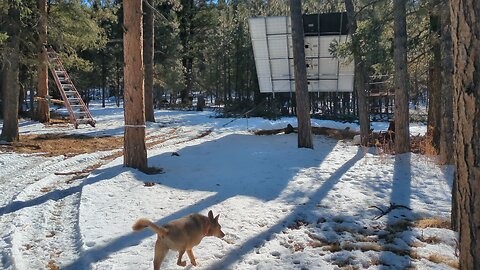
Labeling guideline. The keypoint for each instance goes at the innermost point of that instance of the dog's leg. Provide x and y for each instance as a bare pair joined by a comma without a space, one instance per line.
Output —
192,258
179,261
161,251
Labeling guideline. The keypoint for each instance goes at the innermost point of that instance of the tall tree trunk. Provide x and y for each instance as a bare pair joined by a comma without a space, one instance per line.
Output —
187,73
186,36
446,133
43,112
134,150
402,134
465,15
149,46
435,82
104,77
360,73
117,82
300,71
11,85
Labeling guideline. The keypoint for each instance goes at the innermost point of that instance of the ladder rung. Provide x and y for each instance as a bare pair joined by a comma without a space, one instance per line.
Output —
76,108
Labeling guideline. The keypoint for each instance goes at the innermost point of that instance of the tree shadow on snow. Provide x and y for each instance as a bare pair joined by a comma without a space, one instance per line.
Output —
58,194
401,192
245,170
299,211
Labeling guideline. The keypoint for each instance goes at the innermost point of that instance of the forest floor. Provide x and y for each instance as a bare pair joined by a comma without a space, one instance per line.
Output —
66,201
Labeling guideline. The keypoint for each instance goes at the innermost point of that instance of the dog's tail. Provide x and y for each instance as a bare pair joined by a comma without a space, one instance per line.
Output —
142,223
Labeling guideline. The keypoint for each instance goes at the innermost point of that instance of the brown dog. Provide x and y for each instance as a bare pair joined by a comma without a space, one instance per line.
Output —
181,234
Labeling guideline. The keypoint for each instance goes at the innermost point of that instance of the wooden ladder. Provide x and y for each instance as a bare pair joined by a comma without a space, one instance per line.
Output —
77,110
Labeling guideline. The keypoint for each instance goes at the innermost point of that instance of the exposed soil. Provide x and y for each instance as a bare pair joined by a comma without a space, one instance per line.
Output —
56,144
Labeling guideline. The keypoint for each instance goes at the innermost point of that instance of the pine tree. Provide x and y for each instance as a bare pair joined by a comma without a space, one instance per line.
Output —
360,74
301,90
11,87
465,15
43,113
135,152
149,49
402,133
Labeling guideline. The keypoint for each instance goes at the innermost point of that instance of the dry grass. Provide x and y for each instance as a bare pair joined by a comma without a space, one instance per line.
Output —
432,223
344,228
370,247
427,146
333,247
399,226
417,244
52,265
431,239
376,261
436,258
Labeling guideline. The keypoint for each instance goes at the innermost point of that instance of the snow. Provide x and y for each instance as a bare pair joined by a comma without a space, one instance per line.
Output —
281,207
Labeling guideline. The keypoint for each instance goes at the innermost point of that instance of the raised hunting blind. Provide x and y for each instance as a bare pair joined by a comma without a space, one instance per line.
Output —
273,52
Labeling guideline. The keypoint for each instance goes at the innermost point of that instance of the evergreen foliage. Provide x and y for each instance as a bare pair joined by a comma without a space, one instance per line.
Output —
213,38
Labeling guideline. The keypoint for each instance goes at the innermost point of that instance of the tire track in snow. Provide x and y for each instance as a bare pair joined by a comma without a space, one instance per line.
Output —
29,210
39,210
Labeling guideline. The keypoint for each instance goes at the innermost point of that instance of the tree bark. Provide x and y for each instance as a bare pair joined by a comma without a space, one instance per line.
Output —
402,134
149,46
300,71
186,35
104,77
135,152
11,87
446,133
434,82
360,73
465,15
43,112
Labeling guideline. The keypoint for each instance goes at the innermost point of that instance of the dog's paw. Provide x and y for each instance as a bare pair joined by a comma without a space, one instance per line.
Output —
194,263
181,263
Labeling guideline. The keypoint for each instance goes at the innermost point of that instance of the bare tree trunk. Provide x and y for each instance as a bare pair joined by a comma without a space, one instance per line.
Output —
43,112
135,152
402,134
446,134
149,46
104,78
465,15
300,71
360,73
11,86
434,82
186,36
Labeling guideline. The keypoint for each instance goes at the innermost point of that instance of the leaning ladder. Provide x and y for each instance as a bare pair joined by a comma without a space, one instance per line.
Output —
77,110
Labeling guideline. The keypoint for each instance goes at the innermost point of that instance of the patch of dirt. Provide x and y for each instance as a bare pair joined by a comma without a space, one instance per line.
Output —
56,144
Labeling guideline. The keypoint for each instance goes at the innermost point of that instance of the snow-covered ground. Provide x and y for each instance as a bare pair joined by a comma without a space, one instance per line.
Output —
281,207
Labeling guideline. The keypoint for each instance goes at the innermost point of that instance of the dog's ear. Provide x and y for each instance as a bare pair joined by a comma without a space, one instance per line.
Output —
216,218
210,215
